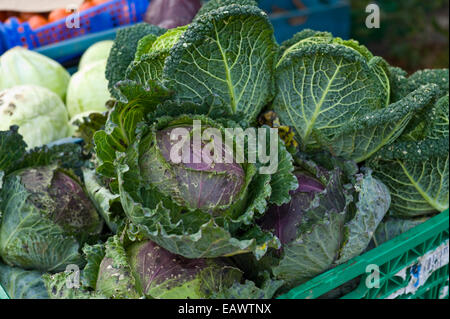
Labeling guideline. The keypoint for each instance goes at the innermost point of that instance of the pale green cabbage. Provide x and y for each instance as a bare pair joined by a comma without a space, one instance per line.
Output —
20,66
96,52
88,90
40,114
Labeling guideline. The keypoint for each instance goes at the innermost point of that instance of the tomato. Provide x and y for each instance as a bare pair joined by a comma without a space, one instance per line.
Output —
37,21
57,14
98,2
86,5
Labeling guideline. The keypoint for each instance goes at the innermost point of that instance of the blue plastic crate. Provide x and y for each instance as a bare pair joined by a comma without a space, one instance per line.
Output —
291,16
72,49
103,17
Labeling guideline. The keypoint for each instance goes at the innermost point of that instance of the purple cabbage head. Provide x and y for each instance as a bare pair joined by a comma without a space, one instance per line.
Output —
47,216
62,199
284,220
200,182
146,269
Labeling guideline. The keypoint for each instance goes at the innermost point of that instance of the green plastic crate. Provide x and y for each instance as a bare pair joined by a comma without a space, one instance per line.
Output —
413,265
420,253
3,294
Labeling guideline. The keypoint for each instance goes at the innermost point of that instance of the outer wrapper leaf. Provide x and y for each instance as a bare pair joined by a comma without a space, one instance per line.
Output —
373,203
107,203
14,156
149,67
30,240
151,56
249,290
402,86
22,284
417,188
115,278
94,255
227,53
313,251
12,148
283,181
319,235
120,128
393,227
416,172
123,52
216,4
144,46
321,86
362,137
57,288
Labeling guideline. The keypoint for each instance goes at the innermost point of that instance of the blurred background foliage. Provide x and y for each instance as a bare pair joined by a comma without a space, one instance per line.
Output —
413,34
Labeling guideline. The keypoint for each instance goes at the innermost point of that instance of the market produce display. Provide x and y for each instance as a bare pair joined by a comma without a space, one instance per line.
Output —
360,155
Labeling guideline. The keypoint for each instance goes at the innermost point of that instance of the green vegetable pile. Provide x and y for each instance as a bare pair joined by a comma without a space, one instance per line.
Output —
361,155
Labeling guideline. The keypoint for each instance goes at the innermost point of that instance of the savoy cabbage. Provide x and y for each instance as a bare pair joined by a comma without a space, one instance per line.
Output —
336,96
415,166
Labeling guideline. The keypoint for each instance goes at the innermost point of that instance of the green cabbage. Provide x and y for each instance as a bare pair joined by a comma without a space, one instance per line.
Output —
88,90
22,284
96,52
226,56
45,213
165,200
337,96
20,66
415,167
40,114
330,219
144,269
46,217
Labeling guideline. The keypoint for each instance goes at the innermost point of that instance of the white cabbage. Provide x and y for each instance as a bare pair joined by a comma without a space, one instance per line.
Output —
40,114
20,66
88,90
